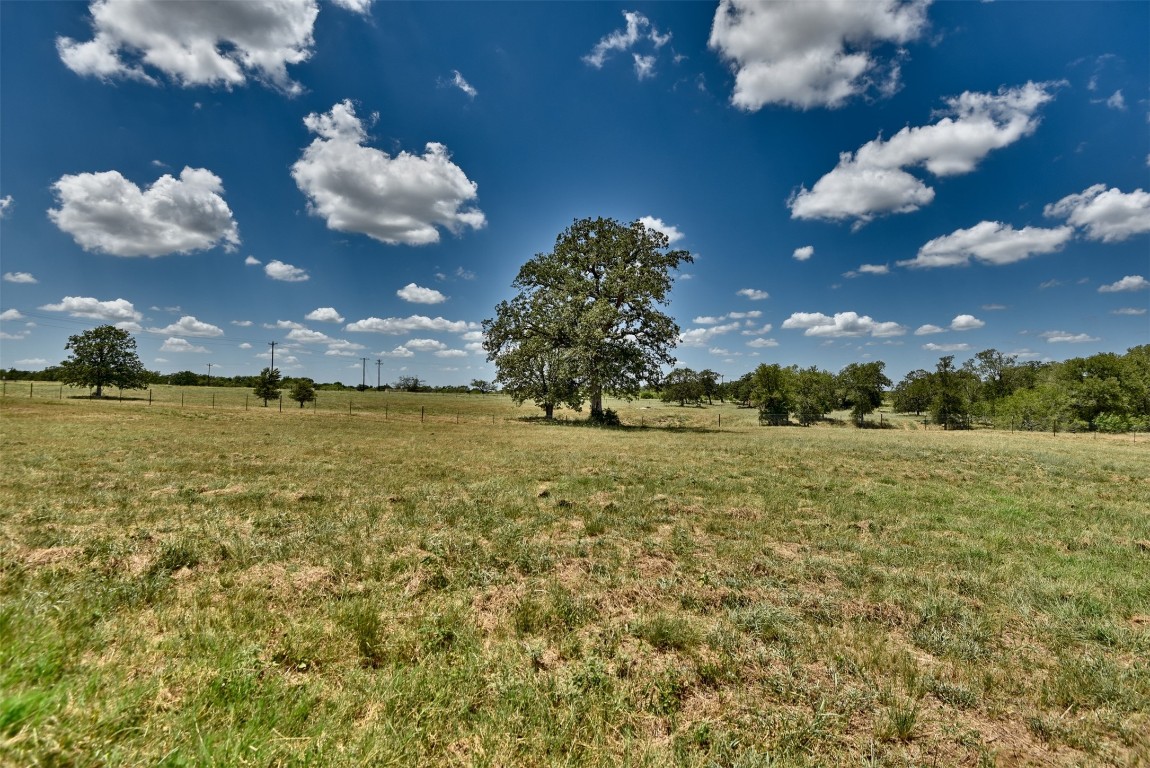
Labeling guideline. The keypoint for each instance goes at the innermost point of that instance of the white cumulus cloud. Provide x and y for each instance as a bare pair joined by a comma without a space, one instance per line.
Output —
1062,337
815,53
803,253
700,337
424,345
932,347
1128,283
874,180
19,277
716,319
252,261
277,270
324,315
307,336
1109,215
926,330
843,324
203,43
107,213
990,242
114,311
181,345
190,326
754,294
868,269
5,205
11,314
401,199
966,323
673,234
419,295
401,325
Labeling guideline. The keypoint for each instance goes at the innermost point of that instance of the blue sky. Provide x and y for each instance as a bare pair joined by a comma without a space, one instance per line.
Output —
857,181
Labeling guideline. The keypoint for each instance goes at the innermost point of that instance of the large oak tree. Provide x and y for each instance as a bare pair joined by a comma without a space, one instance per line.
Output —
103,356
590,310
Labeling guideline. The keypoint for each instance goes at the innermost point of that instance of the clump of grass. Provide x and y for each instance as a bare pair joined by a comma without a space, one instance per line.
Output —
172,557
556,611
951,693
899,721
668,633
595,525
763,622
950,628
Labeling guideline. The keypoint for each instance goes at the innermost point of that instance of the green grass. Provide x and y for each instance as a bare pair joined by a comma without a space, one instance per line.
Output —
189,585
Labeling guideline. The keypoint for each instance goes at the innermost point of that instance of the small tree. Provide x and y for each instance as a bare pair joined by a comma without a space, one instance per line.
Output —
710,383
813,395
684,385
482,386
771,387
861,386
105,355
268,385
302,391
409,383
913,393
947,406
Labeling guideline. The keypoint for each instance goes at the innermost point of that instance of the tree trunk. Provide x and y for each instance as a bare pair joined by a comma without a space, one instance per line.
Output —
596,402
549,409
99,390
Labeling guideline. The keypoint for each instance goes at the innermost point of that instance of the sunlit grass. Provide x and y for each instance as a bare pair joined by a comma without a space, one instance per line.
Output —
186,585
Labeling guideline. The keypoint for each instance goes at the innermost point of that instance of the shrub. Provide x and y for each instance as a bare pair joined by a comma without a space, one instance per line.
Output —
609,418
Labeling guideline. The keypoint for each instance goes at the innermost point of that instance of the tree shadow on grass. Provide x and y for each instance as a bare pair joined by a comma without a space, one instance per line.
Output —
108,398
585,423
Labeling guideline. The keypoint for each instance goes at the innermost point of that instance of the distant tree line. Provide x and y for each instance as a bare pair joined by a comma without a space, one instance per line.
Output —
146,378
1107,392
807,394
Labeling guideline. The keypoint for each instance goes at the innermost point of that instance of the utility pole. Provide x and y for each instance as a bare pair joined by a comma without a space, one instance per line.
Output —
209,374
363,383
378,363
272,344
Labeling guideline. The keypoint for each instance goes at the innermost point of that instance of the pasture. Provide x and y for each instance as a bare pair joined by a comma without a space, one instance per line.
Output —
389,579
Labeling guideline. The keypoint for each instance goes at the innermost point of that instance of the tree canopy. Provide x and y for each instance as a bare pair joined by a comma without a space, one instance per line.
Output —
105,355
586,319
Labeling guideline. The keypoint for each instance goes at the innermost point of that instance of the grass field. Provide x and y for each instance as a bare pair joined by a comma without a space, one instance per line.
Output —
353,586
